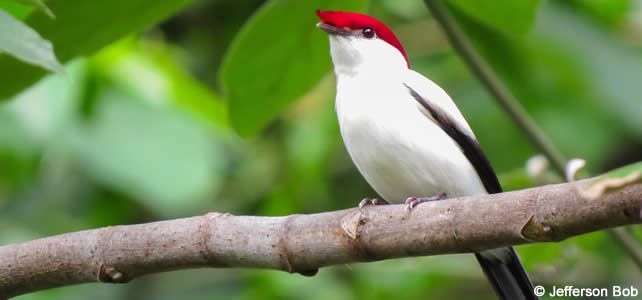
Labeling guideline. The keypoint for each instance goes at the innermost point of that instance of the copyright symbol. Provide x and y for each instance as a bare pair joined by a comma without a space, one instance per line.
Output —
539,290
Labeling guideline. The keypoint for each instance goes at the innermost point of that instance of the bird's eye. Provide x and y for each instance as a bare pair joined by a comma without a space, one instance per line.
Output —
368,32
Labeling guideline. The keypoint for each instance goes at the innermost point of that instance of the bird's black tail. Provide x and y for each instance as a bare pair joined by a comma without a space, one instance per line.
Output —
508,277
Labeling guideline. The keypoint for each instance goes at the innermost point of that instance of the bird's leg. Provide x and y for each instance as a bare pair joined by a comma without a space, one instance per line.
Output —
411,202
372,201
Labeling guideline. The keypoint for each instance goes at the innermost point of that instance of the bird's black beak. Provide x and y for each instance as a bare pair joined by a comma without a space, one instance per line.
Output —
333,30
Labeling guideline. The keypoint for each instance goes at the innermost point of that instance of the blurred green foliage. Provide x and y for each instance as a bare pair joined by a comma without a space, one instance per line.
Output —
39,5
143,125
82,27
292,63
509,17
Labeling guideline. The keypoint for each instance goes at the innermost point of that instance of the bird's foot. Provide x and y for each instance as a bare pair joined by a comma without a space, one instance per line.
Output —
371,201
412,202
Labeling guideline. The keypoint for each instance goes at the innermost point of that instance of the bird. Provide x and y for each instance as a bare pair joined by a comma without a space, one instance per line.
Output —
405,134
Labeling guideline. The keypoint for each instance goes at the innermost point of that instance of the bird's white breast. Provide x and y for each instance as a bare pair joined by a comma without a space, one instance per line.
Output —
399,151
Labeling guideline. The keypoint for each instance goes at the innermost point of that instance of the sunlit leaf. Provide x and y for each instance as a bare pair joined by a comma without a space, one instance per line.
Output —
160,79
24,43
157,155
166,161
82,27
277,57
510,17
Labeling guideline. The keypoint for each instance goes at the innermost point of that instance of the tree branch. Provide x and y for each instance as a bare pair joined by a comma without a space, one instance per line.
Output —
515,110
304,243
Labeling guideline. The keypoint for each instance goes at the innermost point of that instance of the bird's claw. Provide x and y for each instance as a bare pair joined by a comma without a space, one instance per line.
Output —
368,201
412,202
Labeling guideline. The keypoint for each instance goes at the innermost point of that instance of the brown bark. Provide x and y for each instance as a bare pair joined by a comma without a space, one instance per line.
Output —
304,243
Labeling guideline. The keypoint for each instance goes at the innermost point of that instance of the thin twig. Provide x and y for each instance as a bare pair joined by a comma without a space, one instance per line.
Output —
514,109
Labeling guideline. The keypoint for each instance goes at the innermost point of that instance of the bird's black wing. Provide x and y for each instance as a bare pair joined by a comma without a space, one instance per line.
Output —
468,144
507,276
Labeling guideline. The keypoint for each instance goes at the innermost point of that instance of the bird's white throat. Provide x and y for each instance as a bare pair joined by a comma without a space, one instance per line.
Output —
366,56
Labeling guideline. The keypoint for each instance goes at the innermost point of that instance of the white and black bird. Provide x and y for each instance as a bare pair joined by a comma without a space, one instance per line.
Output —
406,136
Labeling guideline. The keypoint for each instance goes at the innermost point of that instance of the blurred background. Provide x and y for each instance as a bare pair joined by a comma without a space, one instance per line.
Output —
167,109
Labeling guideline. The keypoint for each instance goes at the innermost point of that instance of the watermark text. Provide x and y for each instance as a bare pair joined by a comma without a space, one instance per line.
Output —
573,291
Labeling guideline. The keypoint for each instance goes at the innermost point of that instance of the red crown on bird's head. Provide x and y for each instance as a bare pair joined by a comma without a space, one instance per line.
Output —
354,21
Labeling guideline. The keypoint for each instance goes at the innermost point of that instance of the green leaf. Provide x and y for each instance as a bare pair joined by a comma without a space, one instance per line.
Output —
613,74
167,161
607,11
16,9
23,43
14,137
513,18
624,171
277,57
616,179
160,79
40,5
18,152
156,154
516,180
81,28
